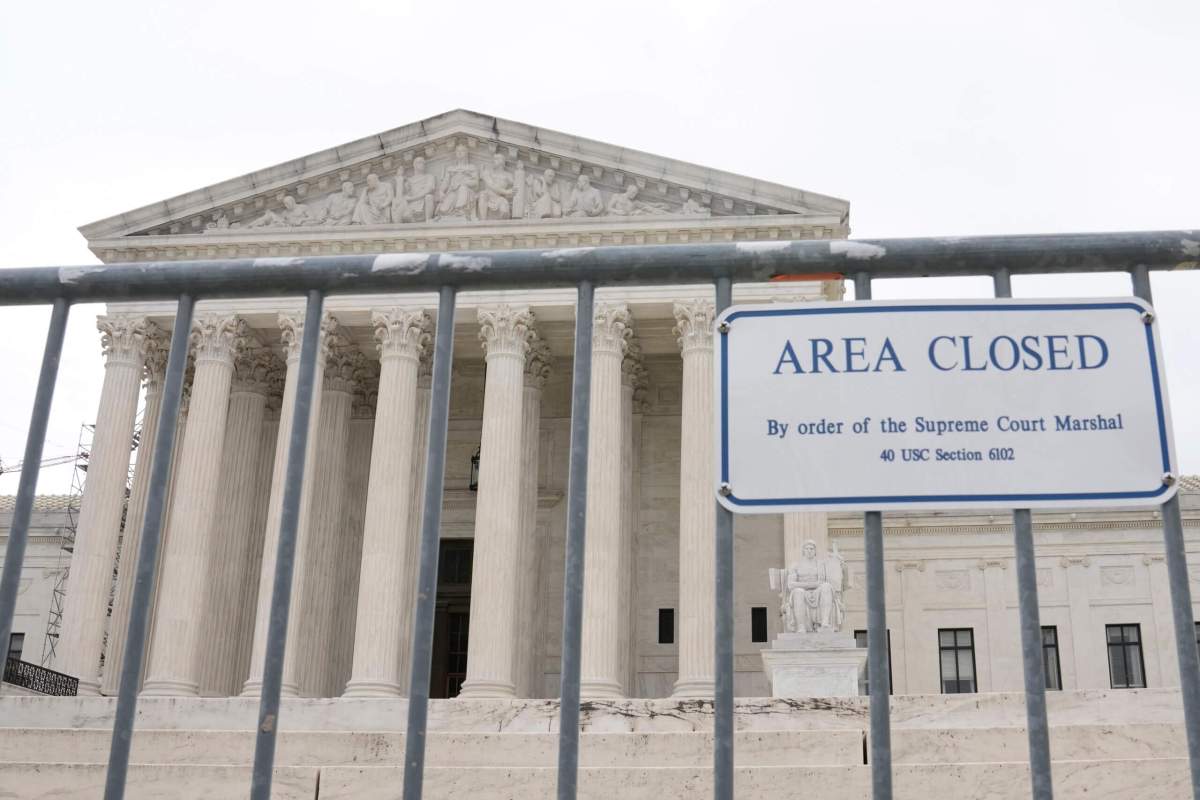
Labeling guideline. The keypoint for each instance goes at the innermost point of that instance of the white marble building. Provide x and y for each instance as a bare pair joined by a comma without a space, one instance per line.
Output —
462,182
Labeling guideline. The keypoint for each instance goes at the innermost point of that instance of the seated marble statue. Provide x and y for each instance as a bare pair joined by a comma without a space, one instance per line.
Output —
374,202
339,210
585,200
459,187
546,196
499,186
810,591
414,196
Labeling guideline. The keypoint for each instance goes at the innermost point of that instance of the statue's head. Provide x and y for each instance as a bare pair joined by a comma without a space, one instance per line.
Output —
498,160
460,151
289,202
418,165
809,549
548,176
348,189
631,191
583,182
373,180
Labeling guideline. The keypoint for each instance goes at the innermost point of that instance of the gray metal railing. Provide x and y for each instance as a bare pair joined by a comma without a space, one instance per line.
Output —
584,269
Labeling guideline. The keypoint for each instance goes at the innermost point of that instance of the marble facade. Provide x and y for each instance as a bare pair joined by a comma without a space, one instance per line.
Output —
465,182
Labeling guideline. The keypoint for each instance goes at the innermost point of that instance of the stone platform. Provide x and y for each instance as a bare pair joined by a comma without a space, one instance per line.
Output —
1111,745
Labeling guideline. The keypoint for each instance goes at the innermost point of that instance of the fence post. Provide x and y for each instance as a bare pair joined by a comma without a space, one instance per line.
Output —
723,699
877,646
431,524
572,638
1181,596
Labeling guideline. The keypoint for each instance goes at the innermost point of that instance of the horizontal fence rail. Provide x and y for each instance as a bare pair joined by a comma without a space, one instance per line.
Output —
604,266
583,269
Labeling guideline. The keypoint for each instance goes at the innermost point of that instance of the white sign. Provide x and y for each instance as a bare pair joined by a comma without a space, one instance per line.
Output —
929,404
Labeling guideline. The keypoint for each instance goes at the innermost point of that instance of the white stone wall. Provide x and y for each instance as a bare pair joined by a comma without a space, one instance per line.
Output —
44,558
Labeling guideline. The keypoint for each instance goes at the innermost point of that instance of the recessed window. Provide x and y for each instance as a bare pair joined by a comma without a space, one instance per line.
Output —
666,626
1050,657
1126,670
860,640
758,624
956,649
16,645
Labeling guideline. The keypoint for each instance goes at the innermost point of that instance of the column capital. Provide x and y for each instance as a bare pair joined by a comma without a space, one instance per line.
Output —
123,338
256,368
537,363
158,348
694,324
612,328
505,330
402,332
217,337
340,366
291,327
366,386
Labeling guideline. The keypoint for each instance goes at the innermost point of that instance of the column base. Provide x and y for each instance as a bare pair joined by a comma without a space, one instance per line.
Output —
370,688
253,688
89,688
487,688
170,687
593,689
695,687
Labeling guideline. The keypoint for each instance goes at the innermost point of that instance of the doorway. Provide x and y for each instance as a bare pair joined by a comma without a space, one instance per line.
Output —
452,618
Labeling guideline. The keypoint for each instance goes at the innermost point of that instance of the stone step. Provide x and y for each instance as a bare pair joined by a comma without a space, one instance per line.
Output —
330,748
1011,744
1073,780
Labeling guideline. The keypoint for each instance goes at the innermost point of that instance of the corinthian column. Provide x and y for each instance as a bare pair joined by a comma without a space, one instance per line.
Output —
234,538
389,542
603,628
86,608
537,370
697,520
292,328
174,659
633,390
321,560
505,332
157,346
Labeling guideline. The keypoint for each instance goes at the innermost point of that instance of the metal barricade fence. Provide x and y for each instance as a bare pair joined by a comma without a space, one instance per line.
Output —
999,257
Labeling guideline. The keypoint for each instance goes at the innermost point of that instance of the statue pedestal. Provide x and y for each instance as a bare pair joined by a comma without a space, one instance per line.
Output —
814,665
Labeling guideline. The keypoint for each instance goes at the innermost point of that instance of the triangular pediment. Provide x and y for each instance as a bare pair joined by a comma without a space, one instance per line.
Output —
452,175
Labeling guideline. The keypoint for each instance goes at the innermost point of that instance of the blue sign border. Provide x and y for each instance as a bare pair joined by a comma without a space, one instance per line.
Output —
1015,499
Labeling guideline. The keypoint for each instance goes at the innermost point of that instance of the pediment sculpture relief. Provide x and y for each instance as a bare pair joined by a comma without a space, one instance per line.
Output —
810,591
463,190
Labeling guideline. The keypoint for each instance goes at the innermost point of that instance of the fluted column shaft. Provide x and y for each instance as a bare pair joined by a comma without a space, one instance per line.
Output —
415,514
494,584
292,328
157,344
85,611
248,593
537,369
632,383
603,628
358,474
697,520
175,658
379,639
321,563
234,539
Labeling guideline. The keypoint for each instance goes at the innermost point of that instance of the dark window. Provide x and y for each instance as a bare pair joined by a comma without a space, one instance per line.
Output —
457,631
1050,657
1126,670
758,624
16,645
1197,634
666,626
956,647
860,640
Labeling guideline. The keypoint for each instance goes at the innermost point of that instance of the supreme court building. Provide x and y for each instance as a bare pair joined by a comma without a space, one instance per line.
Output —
465,182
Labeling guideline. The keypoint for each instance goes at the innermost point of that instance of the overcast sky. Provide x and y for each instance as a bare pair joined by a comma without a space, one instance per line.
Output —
929,117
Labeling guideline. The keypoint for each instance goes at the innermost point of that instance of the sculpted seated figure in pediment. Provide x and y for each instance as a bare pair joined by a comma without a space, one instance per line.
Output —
586,200
460,185
339,209
374,203
495,199
414,196
546,196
